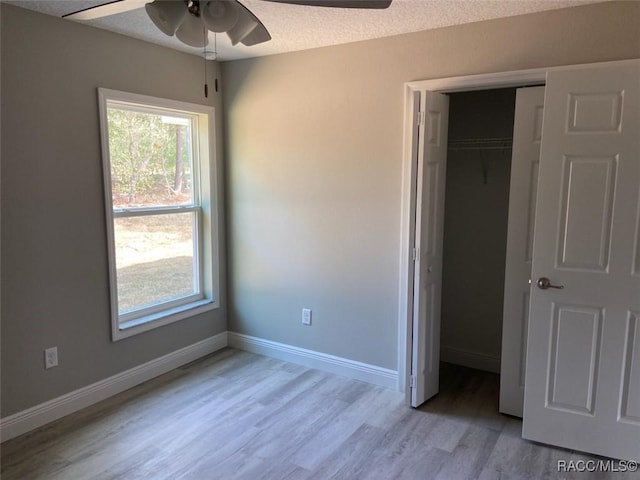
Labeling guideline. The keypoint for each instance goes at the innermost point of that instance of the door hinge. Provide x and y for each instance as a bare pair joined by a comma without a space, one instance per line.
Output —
414,254
412,381
419,118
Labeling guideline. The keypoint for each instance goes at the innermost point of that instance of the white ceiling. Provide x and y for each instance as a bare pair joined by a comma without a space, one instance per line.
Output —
295,27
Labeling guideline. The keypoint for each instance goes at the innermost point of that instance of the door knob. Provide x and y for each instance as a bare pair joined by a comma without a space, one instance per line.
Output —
544,283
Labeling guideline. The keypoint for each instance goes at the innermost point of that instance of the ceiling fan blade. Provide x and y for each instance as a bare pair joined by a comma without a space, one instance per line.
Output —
105,10
367,4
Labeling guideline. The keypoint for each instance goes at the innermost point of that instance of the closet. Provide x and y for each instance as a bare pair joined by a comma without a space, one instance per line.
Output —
475,227
571,263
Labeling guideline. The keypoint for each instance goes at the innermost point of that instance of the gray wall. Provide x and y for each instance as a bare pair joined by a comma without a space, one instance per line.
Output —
475,224
54,259
314,153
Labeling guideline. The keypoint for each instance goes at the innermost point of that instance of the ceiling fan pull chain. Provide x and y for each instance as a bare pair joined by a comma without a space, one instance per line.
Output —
215,57
204,56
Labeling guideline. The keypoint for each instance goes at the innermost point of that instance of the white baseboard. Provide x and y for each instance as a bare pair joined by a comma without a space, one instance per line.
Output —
34,417
310,358
466,358
46,412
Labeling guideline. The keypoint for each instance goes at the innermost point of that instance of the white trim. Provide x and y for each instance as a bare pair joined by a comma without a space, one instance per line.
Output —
467,358
487,81
163,317
46,412
310,358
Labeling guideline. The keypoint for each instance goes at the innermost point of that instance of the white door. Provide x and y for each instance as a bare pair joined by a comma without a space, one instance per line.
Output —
582,386
427,284
525,161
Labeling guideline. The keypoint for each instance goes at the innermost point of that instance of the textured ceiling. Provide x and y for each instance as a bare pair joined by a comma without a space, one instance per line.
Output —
295,27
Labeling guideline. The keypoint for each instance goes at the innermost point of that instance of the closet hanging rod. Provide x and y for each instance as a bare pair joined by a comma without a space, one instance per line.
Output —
480,144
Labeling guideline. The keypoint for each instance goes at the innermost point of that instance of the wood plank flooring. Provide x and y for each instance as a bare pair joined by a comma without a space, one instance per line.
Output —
236,415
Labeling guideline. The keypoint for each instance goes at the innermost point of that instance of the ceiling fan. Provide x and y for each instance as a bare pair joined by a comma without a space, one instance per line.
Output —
189,20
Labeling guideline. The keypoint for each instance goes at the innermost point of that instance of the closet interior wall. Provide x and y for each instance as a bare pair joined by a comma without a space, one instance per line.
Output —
475,226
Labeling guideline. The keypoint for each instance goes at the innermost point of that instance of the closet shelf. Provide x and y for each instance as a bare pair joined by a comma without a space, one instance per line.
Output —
480,144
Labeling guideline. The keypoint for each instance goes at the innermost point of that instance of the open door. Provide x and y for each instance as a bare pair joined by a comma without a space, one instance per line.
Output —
427,285
582,386
525,161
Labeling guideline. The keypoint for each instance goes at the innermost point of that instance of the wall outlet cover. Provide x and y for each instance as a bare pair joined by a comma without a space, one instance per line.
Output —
306,316
51,357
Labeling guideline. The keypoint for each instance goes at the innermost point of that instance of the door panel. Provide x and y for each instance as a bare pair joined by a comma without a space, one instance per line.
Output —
575,351
533,192
587,211
522,359
636,267
525,162
630,408
428,241
582,376
434,176
595,112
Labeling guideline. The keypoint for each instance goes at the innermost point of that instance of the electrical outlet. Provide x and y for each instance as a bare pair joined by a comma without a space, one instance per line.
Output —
306,316
51,357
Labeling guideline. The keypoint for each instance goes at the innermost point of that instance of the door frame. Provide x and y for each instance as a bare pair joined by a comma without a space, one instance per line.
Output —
410,159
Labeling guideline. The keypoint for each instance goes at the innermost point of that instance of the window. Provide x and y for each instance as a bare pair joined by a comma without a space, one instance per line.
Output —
160,192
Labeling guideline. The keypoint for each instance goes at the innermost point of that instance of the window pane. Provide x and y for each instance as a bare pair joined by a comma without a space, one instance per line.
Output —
151,159
155,259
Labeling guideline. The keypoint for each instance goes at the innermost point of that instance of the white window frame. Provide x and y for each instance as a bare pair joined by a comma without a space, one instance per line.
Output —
205,209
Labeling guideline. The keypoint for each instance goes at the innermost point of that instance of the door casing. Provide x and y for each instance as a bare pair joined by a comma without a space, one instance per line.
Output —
412,93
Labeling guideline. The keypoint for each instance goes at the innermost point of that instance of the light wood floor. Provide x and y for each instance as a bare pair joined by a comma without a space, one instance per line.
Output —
236,415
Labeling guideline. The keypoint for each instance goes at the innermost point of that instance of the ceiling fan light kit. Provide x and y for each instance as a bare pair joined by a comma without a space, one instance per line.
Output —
256,36
244,26
190,20
192,32
167,16
220,15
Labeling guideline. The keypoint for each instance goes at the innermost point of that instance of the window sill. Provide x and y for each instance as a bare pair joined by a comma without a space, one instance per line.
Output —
149,322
